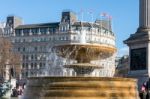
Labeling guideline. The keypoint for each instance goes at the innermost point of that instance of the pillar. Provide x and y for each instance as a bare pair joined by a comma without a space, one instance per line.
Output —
144,13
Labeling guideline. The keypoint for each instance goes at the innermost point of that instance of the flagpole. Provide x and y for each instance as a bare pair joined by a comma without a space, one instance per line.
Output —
91,15
77,15
81,15
91,26
81,21
101,21
109,23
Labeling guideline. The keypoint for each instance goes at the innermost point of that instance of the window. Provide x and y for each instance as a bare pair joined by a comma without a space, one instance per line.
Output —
53,38
63,28
67,38
32,73
24,49
62,38
34,31
31,65
18,32
76,28
35,65
26,65
35,57
43,65
59,38
89,29
24,40
32,57
43,30
23,74
26,32
26,74
51,30
40,65
27,57
50,39
74,38
23,57
23,65
54,30
40,73
18,49
15,40
35,48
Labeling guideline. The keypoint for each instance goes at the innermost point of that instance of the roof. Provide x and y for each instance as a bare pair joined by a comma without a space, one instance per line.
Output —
86,24
56,24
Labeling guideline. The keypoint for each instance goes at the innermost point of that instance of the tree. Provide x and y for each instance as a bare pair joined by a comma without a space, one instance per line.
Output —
8,59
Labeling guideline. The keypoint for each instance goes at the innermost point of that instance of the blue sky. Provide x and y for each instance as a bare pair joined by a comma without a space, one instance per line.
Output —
124,13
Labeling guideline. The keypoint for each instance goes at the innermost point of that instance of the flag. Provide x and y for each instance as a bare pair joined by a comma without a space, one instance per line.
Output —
90,11
104,14
81,11
110,17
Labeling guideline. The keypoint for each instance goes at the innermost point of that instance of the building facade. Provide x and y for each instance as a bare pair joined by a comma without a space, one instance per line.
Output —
122,66
35,43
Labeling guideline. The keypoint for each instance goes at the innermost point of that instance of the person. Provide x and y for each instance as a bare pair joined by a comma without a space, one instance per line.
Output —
147,89
144,94
23,86
14,92
20,90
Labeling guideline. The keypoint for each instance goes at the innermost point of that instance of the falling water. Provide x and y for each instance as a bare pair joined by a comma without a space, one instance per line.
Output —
54,65
82,36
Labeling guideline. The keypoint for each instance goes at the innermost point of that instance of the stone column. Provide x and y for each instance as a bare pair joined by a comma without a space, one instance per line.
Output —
148,56
144,14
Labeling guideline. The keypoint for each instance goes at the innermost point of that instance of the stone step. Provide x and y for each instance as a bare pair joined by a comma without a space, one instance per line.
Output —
88,98
90,93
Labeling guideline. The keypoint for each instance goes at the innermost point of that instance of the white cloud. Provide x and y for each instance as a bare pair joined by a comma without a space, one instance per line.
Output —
123,51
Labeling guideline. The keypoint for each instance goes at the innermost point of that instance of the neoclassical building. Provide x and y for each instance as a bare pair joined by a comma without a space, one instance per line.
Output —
35,43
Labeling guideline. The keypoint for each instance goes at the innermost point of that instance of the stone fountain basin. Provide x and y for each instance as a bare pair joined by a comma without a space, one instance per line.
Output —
80,88
85,52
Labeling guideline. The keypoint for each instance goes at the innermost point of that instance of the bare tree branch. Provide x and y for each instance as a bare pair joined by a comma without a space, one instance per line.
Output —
8,57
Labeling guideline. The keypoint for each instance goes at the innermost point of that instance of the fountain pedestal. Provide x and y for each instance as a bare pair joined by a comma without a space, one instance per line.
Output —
83,69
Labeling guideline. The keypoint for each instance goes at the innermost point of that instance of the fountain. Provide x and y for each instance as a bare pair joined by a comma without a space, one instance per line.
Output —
83,86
